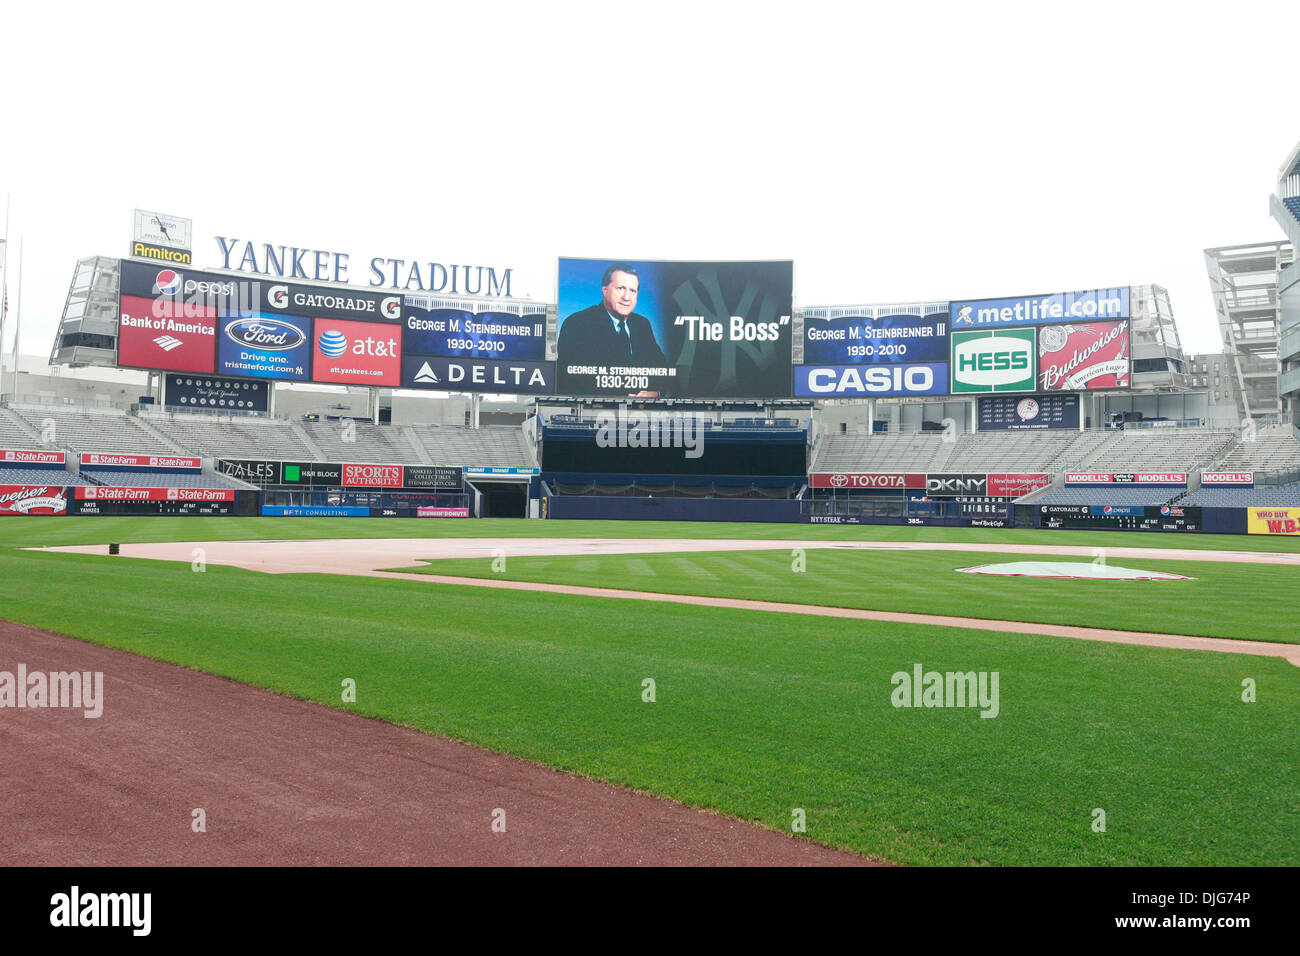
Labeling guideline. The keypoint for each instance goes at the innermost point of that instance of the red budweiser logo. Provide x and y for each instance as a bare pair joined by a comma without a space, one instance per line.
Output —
1086,362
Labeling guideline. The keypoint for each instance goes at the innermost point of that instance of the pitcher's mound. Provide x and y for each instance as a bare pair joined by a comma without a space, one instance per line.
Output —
1066,569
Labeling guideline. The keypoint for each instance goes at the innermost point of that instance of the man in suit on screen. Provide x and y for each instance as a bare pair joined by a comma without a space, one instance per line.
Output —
610,333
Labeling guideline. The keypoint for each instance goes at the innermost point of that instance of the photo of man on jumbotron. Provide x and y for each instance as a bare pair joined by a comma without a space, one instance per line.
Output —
674,329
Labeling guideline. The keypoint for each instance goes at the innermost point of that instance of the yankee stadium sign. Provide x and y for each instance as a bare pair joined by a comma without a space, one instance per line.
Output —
322,265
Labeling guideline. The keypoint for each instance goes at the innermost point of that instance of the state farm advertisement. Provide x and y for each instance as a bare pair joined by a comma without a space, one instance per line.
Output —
32,457
33,500
109,493
871,480
372,476
138,461
1089,355
1014,486
356,353
176,343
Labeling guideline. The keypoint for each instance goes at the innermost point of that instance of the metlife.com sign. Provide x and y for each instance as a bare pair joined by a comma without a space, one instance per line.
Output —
1041,309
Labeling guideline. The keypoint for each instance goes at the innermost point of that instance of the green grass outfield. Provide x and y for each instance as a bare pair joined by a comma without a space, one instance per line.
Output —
1244,601
756,714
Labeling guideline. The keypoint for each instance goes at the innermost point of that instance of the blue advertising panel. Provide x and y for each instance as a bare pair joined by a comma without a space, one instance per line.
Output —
882,339
478,375
459,333
265,346
1041,309
1028,412
873,381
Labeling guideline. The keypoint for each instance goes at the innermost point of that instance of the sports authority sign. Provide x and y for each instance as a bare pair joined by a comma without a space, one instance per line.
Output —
33,500
32,457
1075,358
372,476
871,480
96,460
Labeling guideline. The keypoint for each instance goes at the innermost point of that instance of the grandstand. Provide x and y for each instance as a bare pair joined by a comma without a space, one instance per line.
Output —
1264,496
1128,495
1153,449
364,442
152,479
1273,449
92,429
214,437
37,476
494,446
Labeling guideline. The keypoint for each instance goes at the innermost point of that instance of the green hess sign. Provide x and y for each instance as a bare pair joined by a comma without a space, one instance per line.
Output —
1002,360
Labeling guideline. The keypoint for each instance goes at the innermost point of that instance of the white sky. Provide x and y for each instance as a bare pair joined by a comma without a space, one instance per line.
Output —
921,151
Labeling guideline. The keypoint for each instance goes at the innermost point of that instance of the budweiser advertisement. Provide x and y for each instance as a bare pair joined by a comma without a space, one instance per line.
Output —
33,500
1238,478
96,460
1084,356
1014,486
109,493
372,476
870,479
10,456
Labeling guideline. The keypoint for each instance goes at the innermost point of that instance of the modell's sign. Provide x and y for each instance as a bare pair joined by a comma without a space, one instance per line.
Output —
33,500
139,461
1128,478
373,476
107,493
874,479
32,457
1227,478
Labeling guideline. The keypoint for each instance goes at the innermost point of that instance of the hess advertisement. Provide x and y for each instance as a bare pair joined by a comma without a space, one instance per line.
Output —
674,329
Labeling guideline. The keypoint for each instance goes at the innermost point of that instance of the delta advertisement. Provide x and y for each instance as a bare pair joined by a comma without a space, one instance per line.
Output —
903,353
450,348
647,329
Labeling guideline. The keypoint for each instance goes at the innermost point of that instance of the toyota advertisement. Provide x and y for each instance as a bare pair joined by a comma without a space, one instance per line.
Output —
649,329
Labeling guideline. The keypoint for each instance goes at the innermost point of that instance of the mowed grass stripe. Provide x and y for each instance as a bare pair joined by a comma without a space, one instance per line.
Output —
1247,602
756,714
25,532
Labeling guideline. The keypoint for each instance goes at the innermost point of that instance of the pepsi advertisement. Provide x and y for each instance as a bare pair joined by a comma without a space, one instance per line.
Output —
660,329
265,346
893,339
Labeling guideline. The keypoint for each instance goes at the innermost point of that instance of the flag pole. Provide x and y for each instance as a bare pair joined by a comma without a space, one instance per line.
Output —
4,289
18,317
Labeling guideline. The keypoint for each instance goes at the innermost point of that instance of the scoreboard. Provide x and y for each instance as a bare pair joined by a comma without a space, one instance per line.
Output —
1120,517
